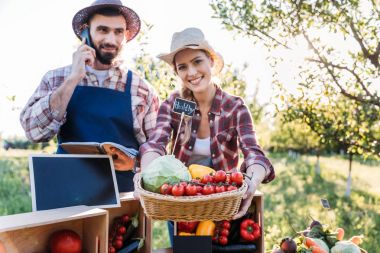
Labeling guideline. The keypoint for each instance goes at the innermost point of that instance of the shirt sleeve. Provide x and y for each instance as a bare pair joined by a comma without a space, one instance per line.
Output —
160,135
253,154
36,117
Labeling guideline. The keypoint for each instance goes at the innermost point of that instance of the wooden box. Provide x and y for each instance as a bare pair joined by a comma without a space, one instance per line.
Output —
30,232
131,206
258,202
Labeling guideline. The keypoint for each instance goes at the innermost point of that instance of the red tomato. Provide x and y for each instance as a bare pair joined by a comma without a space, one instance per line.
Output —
208,189
65,241
220,188
220,176
223,240
237,177
121,230
183,183
191,190
224,232
125,218
231,188
111,249
199,189
118,244
207,179
226,224
178,190
166,189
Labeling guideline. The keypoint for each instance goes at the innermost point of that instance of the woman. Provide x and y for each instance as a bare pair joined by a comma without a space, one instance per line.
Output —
220,122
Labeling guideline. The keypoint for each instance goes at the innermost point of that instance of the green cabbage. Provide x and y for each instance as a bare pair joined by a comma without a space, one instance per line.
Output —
345,247
164,169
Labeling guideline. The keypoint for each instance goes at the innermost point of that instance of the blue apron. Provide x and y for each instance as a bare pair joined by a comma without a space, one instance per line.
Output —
98,115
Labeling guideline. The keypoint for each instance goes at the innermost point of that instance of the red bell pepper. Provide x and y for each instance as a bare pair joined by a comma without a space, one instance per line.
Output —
249,230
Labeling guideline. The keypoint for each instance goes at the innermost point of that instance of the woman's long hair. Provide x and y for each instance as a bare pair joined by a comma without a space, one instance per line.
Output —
187,94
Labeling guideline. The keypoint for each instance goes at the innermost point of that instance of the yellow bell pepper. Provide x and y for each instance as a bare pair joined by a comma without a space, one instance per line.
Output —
185,234
198,171
206,228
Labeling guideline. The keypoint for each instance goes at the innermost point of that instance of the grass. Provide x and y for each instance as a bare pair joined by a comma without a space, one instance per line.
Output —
289,200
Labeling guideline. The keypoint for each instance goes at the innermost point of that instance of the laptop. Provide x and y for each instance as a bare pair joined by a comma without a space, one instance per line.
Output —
62,180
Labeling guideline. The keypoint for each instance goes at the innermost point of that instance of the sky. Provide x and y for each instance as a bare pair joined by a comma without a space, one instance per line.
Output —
37,36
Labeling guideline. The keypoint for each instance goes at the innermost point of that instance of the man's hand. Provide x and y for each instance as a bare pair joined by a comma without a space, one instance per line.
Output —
247,198
84,55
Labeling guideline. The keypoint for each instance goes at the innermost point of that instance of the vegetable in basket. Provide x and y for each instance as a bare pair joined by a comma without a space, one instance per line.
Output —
164,169
345,247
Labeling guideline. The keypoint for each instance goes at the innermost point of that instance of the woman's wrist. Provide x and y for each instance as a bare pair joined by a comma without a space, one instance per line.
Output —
256,173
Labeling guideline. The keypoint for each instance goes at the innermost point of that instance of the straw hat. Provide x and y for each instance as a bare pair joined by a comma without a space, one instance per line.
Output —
191,38
81,17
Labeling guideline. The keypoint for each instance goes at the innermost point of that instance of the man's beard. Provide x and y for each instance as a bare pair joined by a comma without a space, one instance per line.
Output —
106,58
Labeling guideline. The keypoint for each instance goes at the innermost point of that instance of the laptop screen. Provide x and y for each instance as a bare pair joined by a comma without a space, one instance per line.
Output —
71,180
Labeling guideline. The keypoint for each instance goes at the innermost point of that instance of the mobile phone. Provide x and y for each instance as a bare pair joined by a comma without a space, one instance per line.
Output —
86,34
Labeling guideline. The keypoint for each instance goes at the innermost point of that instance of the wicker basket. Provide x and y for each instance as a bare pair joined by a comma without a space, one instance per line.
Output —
218,206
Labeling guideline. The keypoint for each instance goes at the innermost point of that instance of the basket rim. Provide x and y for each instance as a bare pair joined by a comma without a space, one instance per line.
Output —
222,195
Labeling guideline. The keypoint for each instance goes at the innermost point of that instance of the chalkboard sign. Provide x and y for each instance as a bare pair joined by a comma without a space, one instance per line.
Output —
71,180
191,244
325,203
184,106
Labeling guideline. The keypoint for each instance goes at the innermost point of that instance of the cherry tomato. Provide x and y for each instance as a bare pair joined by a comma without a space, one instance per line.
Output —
206,179
226,224
224,232
231,188
191,190
208,189
199,189
111,249
118,244
220,188
178,190
237,177
125,218
220,176
166,189
121,230
183,183
223,240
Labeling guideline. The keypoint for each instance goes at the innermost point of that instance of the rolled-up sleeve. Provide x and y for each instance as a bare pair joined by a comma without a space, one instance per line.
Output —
36,117
253,153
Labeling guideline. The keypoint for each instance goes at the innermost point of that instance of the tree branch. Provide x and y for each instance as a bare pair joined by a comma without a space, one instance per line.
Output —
374,58
336,81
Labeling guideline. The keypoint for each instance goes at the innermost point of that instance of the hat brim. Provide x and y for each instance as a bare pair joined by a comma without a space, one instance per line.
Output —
217,58
133,21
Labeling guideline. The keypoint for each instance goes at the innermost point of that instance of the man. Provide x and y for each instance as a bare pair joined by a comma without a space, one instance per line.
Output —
95,99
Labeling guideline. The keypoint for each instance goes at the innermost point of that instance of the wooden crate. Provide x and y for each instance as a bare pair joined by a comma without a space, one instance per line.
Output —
30,232
131,206
258,202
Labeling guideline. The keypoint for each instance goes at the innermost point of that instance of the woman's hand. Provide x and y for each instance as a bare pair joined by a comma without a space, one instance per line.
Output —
257,174
247,198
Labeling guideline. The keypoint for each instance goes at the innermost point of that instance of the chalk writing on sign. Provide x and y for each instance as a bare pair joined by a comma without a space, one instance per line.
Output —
184,106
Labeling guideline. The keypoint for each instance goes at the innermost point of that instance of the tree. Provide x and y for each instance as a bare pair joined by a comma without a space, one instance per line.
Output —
337,96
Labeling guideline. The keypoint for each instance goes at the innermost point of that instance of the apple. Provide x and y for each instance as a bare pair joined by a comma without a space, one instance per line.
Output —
288,245
65,241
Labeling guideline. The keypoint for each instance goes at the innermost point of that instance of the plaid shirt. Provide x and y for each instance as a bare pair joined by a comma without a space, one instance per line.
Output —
40,125
230,123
